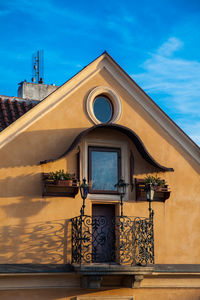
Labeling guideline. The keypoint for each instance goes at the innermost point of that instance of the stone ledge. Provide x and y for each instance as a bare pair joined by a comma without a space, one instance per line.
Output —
35,268
177,268
102,269
112,269
36,280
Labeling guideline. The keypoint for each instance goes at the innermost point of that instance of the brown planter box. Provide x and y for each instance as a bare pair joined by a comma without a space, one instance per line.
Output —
60,188
161,193
64,182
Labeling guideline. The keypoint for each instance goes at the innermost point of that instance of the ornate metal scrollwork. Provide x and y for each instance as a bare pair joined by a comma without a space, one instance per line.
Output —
124,240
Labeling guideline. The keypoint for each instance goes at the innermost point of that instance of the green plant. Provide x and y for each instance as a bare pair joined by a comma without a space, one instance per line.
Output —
59,175
154,181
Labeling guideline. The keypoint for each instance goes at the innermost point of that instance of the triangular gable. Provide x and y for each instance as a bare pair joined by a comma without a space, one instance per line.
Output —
123,79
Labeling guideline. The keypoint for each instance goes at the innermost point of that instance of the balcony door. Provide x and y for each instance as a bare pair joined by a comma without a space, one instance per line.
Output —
103,233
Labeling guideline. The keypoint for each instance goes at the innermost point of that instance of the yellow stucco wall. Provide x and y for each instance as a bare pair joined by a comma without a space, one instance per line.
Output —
37,230
66,294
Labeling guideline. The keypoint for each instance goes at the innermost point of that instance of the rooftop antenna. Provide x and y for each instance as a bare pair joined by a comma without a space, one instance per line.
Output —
38,67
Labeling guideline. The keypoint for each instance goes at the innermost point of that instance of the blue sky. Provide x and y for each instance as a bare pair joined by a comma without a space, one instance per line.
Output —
156,42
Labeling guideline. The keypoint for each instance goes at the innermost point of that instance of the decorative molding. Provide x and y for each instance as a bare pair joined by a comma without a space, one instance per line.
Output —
37,281
104,298
137,281
65,268
186,281
177,268
38,276
128,132
91,282
112,96
35,268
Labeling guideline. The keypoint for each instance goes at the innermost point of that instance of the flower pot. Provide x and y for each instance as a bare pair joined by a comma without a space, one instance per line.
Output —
158,189
65,182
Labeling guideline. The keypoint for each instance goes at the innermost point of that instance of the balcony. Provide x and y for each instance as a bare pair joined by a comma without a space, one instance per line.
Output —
121,240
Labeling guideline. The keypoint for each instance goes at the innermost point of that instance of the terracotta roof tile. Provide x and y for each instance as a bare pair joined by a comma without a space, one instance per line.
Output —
12,108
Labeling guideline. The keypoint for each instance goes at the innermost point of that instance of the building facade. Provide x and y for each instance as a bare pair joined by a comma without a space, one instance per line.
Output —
102,127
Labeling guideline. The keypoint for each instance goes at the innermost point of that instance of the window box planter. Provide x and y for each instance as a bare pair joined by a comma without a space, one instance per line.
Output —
59,188
64,182
161,193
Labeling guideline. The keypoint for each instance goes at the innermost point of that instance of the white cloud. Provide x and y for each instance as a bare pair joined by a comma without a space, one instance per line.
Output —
168,48
176,81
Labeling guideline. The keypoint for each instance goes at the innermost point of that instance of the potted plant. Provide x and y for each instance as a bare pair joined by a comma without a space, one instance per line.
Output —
157,183
162,192
61,178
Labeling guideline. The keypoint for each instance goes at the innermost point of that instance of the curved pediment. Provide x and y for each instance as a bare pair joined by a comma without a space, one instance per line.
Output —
128,132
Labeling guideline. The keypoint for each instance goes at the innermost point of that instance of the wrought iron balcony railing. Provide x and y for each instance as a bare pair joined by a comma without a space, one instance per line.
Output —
122,240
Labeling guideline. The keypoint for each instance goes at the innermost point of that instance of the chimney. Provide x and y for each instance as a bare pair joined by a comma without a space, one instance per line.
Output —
35,91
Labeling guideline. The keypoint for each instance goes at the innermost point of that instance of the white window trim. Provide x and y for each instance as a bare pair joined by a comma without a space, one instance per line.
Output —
112,96
124,164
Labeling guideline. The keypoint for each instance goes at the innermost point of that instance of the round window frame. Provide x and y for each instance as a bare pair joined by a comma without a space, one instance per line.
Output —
112,97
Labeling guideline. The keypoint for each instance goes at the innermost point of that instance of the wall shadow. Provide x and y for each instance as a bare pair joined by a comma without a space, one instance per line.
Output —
35,243
32,147
26,186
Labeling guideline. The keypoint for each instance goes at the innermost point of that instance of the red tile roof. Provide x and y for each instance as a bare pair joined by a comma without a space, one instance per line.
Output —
12,108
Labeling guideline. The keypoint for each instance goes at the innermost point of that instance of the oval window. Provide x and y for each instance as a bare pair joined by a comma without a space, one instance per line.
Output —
102,108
